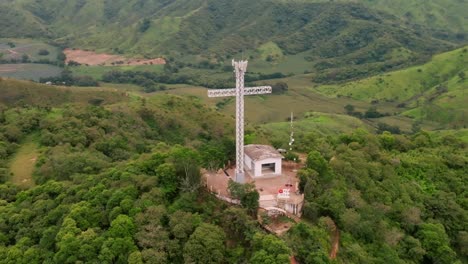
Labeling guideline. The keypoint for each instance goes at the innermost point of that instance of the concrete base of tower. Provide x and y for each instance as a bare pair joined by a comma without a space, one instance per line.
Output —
240,177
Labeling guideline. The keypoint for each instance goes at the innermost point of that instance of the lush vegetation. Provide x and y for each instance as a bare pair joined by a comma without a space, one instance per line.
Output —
396,199
118,181
323,36
109,175
433,91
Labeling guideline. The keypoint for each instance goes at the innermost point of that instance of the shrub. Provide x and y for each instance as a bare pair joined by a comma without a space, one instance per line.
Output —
43,52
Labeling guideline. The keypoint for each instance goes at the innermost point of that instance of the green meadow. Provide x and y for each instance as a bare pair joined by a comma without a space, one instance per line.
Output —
29,71
97,71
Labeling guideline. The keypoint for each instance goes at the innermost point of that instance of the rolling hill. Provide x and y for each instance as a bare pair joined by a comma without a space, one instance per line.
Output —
355,32
434,91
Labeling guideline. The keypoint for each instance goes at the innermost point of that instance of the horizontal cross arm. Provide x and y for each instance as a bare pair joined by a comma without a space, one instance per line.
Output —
257,90
221,92
232,92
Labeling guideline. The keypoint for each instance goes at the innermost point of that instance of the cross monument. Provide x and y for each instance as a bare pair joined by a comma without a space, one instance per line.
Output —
240,67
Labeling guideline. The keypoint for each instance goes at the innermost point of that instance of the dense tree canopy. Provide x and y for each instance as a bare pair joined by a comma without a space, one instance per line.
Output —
392,196
112,185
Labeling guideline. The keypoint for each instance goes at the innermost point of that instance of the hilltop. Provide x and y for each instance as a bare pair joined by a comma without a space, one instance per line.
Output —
119,182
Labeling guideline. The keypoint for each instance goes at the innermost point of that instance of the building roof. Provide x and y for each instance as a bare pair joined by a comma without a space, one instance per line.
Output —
261,152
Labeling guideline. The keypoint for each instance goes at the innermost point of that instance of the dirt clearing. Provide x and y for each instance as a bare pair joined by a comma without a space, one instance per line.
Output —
22,165
92,58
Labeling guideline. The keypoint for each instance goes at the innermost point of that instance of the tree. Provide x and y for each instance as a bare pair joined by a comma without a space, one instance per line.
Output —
269,249
135,258
238,224
279,88
372,113
186,163
182,224
246,193
462,75
387,140
43,52
316,162
310,243
213,156
349,109
145,25
410,248
67,242
205,245
436,242
122,226
167,180
25,58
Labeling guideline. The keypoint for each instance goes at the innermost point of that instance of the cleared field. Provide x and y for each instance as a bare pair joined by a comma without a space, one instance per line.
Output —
27,47
120,87
29,71
22,165
295,64
313,122
97,71
93,59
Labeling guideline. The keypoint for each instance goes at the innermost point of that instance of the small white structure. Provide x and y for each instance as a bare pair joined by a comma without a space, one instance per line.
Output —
262,160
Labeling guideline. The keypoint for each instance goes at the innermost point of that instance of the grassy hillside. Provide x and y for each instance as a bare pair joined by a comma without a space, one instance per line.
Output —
404,84
97,71
434,91
447,16
14,92
324,124
29,47
22,164
18,22
322,35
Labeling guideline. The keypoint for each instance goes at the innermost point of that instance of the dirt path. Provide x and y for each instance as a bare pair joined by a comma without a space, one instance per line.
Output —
335,242
13,52
22,164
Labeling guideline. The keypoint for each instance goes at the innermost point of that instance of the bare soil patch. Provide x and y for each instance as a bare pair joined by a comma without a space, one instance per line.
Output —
92,58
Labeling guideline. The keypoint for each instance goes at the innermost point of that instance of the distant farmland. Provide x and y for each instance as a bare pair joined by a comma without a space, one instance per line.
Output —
29,71
28,47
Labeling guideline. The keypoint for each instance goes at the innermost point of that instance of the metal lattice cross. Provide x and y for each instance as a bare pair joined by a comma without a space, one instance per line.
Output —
240,67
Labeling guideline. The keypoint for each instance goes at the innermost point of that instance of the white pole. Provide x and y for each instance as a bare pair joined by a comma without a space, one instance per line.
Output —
240,69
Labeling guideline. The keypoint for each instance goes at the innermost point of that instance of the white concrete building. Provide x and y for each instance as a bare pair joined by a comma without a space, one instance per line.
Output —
262,160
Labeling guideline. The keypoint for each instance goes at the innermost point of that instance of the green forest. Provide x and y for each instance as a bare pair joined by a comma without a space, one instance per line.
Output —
117,180
103,161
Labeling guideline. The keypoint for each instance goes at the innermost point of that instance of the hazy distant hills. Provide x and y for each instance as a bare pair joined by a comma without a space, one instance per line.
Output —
340,40
222,26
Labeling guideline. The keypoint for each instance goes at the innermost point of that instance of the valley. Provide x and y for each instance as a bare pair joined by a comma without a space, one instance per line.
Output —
107,133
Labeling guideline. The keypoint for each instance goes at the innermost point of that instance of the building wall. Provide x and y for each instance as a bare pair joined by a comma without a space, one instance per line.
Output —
258,166
248,162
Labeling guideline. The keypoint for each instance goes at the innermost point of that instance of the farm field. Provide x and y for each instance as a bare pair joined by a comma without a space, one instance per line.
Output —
28,47
29,71
97,71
